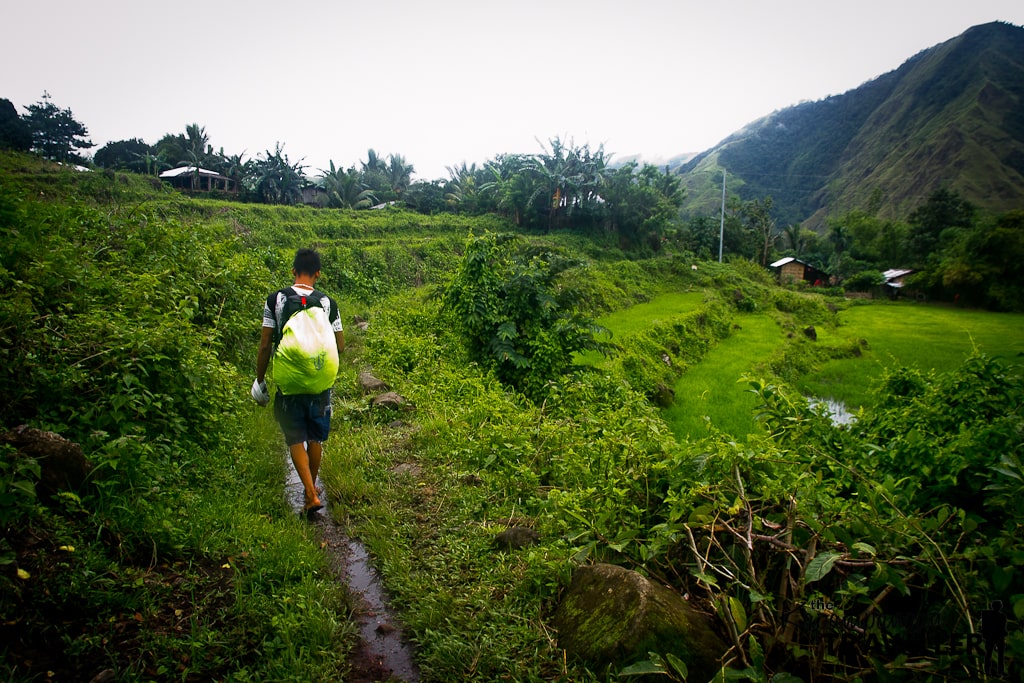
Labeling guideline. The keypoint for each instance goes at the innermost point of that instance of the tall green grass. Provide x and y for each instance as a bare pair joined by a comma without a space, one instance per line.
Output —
641,316
710,395
922,336
662,307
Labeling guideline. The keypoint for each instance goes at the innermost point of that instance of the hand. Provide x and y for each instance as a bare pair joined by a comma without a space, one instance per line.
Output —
259,393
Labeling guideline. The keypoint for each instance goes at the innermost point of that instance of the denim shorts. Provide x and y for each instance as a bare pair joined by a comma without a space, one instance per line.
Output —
303,417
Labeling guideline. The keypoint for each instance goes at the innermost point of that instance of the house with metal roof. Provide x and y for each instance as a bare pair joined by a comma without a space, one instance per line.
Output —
196,179
893,281
792,270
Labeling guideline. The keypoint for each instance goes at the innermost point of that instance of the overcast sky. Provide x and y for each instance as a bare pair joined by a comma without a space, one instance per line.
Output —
453,81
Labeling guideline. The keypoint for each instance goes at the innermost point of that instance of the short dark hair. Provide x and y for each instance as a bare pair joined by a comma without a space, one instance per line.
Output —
307,262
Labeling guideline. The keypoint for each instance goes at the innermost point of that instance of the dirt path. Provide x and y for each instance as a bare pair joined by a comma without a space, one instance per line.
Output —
381,654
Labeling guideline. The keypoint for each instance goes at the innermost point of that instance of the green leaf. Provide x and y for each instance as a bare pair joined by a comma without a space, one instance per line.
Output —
706,578
739,614
678,665
865,548
646,667
819,567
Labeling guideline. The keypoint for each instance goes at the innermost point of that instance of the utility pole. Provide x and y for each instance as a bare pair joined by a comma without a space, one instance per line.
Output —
721,227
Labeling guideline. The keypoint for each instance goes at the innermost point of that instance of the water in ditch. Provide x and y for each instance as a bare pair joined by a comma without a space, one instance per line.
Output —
837,410
382,654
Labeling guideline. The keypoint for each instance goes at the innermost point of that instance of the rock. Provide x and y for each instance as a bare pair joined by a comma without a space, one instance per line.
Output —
614,616
663,395
408,469
63,466
370,384
389,400
516,538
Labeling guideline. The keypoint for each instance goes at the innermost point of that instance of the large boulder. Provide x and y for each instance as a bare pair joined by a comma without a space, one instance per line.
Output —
612,616
63,466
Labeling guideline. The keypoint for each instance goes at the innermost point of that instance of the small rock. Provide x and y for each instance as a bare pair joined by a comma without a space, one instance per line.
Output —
389,400
370,384
516,538
407,468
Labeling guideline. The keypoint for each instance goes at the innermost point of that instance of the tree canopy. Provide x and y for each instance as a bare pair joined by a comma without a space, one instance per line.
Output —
14,133
56,134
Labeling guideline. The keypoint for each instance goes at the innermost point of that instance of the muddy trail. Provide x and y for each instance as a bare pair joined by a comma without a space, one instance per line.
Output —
382,654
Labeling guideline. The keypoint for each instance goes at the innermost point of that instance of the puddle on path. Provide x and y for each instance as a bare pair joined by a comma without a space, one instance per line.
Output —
382,654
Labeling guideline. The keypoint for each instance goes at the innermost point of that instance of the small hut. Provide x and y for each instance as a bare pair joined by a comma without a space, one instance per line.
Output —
894,281
791,270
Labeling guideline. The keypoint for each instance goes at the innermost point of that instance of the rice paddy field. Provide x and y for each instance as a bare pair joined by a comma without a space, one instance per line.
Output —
927,337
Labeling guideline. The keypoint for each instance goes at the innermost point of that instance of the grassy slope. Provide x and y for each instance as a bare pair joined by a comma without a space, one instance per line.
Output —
711,394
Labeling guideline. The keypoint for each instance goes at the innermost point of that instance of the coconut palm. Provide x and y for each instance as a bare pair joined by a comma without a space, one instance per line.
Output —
196,142
345,189
399,174
462,192
508,185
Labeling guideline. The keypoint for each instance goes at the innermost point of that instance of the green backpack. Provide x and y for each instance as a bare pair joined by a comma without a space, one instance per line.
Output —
306,355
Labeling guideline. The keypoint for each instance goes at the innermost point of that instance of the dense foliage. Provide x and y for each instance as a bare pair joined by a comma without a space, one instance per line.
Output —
125,330
517,314
130,318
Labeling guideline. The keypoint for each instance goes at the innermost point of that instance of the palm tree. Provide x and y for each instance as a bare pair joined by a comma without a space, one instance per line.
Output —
757,214
399,174
509,185
795,239
196,141
235,168
556,179
462,190
153,163
375,173
345,189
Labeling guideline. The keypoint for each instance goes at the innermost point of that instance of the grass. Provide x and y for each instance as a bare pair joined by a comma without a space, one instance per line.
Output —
710,395
926,337
636,318
212,582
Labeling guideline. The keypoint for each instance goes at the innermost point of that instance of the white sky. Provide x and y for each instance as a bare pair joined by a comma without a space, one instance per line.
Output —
454,81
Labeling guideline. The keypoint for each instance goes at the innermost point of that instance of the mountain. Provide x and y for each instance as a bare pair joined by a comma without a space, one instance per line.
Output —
673,162
952,116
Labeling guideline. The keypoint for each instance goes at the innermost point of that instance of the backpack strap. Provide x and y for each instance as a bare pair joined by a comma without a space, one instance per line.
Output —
295,302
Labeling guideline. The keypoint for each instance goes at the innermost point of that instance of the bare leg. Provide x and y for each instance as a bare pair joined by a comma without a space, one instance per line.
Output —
315,452
301,460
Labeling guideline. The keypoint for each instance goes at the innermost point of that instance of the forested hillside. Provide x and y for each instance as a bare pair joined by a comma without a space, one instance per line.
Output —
949,118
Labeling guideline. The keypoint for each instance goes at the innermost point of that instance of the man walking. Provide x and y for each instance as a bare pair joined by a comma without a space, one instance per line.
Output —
302,331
